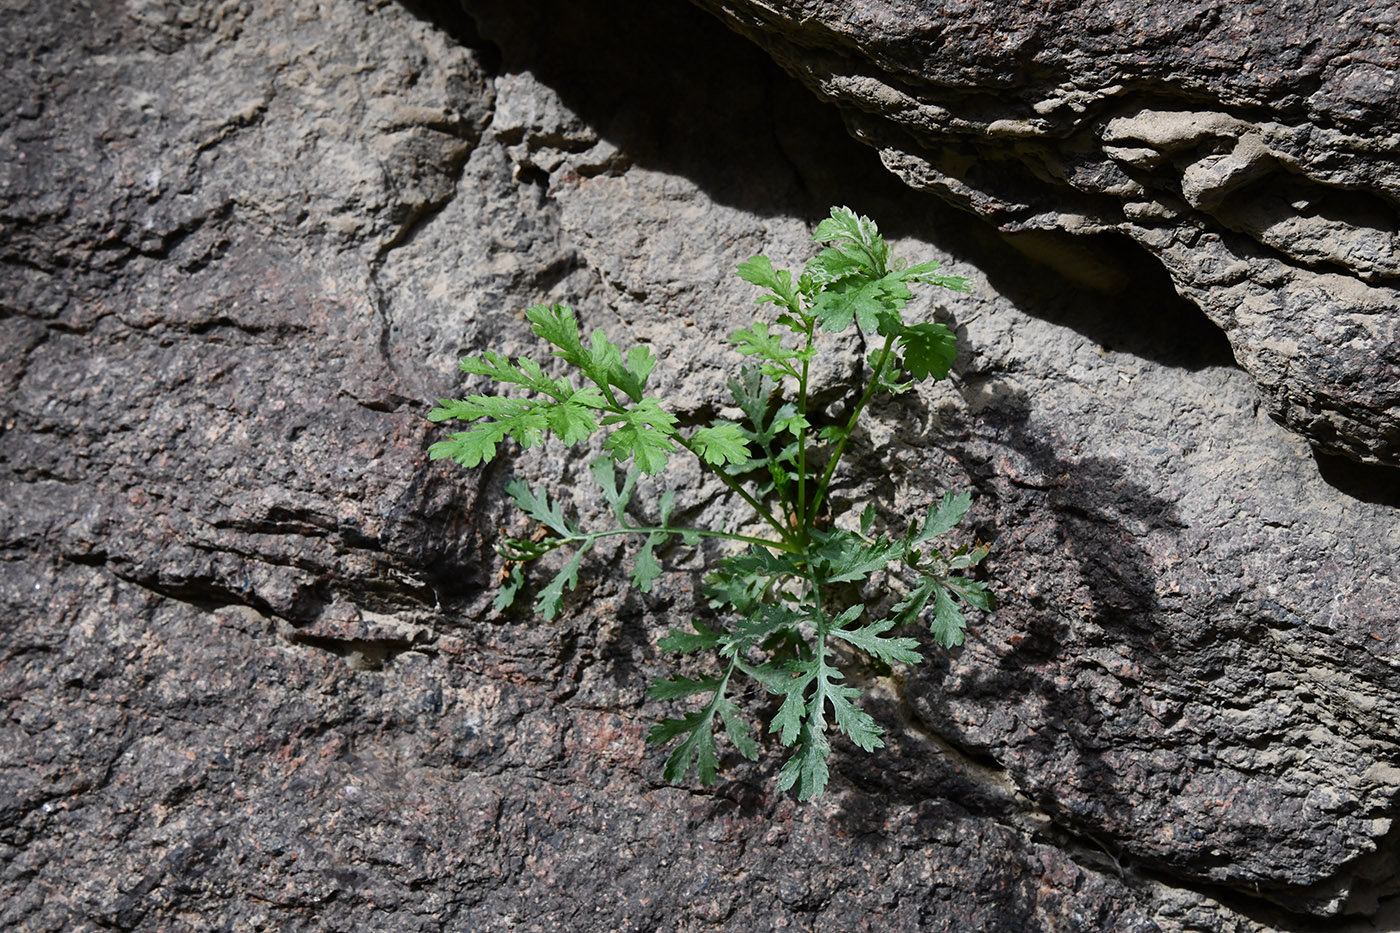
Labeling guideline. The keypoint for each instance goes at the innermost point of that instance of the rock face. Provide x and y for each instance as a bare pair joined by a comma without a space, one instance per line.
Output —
1251,148
249,671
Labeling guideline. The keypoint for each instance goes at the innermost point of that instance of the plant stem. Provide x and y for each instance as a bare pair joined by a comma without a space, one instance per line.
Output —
734,486
802,440
787,546
851,424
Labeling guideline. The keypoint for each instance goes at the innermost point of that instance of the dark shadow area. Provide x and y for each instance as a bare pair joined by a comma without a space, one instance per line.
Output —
678,92
1375,483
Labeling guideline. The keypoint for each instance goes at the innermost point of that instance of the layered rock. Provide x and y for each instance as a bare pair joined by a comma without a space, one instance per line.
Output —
248,665
1250,148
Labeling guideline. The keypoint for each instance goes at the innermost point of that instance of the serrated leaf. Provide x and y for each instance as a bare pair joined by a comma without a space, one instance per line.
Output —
851,719
604,473
699,747
759,271
763,621
677,686
686,642
772,676
972,592
642,433
806,769
723,443
469,448
928,274
845,558
536,504
859,299
787,722
929,349
912,605
757,340
640,364
551,596
571,422
872,640
867,518
942,516
505,595
948,623
738,731
645,570
557,325
833,265
856,236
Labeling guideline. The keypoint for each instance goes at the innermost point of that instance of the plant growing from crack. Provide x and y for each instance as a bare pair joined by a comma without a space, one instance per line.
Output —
780,601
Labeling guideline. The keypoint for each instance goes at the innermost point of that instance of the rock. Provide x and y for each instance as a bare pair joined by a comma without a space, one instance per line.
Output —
250,672
1251,149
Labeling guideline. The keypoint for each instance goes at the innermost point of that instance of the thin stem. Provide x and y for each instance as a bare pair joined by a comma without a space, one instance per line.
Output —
671,529
734,486
851,424
802,439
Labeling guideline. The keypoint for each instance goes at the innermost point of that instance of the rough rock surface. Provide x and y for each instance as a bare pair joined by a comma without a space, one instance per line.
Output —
1250,147
249,673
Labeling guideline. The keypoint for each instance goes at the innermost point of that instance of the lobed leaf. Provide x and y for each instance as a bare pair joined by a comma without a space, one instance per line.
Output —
645,570
723,443
929,350
872,640
536,504
551,596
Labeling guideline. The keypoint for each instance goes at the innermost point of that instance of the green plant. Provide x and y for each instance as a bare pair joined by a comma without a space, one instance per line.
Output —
781,602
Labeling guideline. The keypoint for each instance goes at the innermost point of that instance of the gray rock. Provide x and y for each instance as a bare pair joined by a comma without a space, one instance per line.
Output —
249,670
1250,149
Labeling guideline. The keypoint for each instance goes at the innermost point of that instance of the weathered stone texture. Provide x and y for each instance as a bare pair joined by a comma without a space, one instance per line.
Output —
1250,147
249,673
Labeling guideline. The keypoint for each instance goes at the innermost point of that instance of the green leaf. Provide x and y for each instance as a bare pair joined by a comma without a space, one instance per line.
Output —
855,236
469,448
912,605
699,747
642,433
604,473
806,769
929,350
867,518
764,620
505,596
757,340
928,274
832,265
759,271
570,422
723,443
687,642
677,686
871,639
948,622
844,557
972,592
787,722
646,569
941,517
557,325
738,731
866,301
640,364
553,594
536,504
851,719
